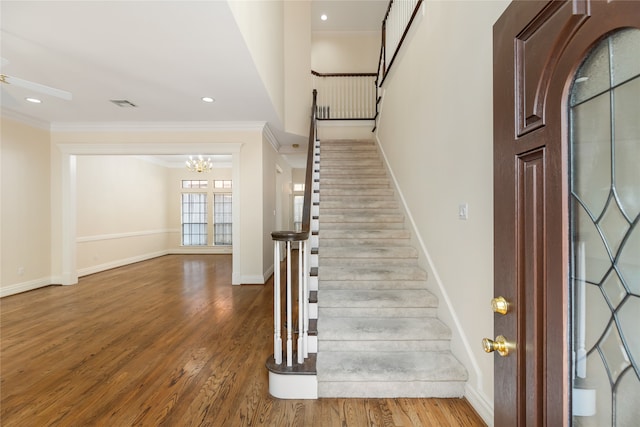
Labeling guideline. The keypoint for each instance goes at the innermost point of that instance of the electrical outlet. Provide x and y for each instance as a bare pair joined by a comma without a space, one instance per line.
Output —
20,271
463,211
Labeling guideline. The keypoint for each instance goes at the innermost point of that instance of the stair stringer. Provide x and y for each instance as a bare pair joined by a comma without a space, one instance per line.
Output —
460,345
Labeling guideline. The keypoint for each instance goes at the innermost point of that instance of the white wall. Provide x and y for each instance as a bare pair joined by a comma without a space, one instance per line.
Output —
436,133
25,220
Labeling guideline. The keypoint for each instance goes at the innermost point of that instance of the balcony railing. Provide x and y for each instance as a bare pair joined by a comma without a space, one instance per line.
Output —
345,96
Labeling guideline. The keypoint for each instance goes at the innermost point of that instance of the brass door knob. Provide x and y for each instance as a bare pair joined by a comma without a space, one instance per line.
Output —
501,345
500,305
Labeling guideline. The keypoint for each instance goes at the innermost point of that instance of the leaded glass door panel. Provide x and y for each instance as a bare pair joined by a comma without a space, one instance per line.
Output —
604,113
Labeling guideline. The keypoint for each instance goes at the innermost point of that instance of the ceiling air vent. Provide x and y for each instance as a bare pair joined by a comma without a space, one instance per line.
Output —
123,103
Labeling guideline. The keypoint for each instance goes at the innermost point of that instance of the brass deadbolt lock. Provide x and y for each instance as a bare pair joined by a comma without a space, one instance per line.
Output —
500,305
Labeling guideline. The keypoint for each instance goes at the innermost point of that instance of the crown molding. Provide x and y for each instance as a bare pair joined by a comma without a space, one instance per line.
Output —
156,126
149,149
268,134
25,119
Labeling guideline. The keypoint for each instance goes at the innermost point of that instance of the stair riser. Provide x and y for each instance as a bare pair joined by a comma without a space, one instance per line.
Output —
348,193
354,172
378,312
359,212
419,298
345,185
334,273
387,346
372,284
368,235
328,155
391,389
328,205
361,219
357,244
353,164
360,226
389,252
366,262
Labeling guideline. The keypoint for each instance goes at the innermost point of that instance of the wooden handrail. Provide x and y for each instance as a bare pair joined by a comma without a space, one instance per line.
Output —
298,236
315,73
404,34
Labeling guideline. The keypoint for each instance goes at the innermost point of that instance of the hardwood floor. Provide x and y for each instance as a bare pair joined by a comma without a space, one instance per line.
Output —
166,342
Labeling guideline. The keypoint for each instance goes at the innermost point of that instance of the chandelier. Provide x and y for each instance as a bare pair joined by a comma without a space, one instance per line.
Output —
200,164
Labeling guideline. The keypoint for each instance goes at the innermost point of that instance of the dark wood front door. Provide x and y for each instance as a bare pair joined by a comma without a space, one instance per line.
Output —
538,46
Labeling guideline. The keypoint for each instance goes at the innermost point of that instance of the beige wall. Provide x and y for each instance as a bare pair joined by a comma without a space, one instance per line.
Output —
248,265
345,52
297,66
276,195
25,220
262,26
58,212
121,211
440,153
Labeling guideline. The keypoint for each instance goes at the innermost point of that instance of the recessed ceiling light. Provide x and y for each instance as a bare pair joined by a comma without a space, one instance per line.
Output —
324,17
34,100
208,99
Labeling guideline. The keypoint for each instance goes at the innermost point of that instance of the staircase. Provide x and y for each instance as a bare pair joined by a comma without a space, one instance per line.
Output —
378,334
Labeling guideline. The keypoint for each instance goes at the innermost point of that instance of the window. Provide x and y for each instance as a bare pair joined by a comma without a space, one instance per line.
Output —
196,205
297,187
194,219
222,183
187,183
222,218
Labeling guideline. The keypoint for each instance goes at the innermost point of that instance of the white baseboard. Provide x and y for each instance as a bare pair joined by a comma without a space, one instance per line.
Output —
30,285
482,405
119,263
195,250
252,280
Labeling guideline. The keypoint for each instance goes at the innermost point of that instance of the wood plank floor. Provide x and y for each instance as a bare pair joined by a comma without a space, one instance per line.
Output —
166,342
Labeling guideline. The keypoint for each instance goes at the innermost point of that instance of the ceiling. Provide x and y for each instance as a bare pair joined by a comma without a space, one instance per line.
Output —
162,56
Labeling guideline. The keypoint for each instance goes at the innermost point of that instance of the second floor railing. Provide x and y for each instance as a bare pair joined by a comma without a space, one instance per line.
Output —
395,26
345,96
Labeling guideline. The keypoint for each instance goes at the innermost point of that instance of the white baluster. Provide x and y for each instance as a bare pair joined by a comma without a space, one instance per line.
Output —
277,339
289,315
305,338
358,85
301,298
